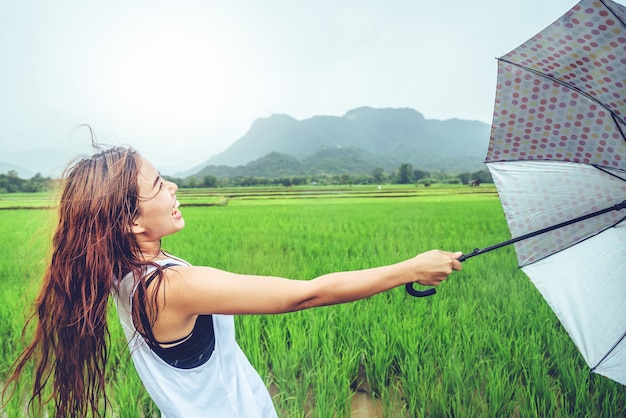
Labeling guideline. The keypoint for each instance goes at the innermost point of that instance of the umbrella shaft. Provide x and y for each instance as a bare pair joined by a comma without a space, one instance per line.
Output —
478,251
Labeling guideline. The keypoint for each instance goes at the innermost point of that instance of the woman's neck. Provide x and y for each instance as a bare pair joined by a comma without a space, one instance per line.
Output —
151,251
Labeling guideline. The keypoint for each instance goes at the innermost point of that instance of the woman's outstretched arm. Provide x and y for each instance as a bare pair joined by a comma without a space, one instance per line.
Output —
204,290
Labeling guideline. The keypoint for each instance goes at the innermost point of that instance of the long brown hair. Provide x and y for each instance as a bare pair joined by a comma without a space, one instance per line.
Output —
92,247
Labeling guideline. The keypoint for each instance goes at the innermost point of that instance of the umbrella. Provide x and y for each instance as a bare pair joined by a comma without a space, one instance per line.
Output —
557,155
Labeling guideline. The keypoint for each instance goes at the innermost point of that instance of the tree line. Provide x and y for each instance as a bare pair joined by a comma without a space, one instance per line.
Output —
404,174
10,182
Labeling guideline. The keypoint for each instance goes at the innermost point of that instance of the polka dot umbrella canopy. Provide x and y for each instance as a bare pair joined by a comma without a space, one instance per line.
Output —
557,154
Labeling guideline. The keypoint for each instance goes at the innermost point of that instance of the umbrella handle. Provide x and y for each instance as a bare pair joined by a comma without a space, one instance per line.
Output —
431,291
419,293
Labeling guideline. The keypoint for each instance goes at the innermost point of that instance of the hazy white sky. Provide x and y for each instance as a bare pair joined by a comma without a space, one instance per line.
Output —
180,81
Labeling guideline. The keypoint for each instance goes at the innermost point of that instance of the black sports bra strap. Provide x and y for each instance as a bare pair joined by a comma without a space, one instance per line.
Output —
156,272
141,297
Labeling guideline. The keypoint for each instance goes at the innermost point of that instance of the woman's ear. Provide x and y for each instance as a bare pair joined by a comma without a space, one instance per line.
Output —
136,228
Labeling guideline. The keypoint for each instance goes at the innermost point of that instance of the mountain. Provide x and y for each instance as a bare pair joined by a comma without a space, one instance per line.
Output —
359,141
21,171
47,162
279,145
347,160
325,161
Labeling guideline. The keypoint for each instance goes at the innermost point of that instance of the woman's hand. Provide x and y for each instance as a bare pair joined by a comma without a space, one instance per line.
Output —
433,267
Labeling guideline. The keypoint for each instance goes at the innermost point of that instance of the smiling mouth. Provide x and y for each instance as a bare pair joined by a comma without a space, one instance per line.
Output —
175,212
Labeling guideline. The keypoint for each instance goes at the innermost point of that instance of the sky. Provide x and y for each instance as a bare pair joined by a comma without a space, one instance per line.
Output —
181,81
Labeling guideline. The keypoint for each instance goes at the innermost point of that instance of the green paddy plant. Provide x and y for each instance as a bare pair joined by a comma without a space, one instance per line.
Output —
485,345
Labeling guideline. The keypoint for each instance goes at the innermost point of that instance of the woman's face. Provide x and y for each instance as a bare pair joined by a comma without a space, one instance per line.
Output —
158,208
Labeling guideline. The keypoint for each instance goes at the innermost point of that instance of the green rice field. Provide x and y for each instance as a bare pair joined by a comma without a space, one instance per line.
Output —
486,345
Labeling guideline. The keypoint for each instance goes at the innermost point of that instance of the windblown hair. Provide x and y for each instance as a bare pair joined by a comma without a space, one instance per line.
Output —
92,247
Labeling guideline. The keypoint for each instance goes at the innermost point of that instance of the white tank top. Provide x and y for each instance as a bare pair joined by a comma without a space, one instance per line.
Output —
225,386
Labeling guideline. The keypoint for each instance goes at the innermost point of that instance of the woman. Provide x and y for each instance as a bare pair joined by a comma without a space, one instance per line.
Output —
114,210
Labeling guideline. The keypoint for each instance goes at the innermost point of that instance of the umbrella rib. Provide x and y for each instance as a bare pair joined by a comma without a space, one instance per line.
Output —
609,173
568,85
615,15
609,352
582,240
478,251
618,125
